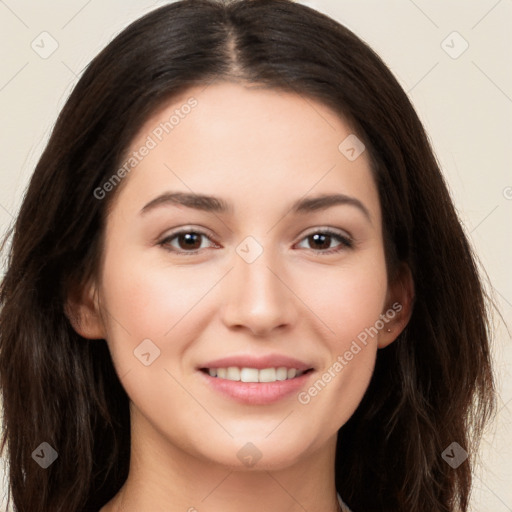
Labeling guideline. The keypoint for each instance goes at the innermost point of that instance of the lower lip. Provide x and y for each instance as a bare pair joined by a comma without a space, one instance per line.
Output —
256,393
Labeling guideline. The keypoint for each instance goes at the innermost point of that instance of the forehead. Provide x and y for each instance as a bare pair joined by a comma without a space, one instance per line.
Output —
250,144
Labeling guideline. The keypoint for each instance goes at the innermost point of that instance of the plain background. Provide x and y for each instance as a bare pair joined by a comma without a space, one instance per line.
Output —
460,84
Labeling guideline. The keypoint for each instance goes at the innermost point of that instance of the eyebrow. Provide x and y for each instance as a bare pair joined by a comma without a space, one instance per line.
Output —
218,205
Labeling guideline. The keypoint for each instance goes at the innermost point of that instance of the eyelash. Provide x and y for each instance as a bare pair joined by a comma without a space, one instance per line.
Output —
346,242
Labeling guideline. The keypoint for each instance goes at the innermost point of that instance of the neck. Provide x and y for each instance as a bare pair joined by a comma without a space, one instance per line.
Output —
163,476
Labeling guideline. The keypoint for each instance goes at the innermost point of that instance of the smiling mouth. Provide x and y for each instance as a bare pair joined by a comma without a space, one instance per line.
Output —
263,375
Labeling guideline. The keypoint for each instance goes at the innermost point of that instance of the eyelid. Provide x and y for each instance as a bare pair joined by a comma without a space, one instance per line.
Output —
347,241
183,230
326,229
345,238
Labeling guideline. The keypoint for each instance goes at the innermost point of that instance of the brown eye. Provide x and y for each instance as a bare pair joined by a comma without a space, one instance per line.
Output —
184,242
189,241
321,241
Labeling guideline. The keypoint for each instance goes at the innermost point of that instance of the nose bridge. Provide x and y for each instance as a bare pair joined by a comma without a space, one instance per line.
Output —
258,298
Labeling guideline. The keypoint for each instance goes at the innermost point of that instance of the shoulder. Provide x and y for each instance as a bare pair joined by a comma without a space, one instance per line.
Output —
344,507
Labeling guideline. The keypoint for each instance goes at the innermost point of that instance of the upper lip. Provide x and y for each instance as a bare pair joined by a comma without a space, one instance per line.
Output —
260,362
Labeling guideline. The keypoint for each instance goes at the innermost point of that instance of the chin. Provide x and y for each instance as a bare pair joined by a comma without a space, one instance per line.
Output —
258,453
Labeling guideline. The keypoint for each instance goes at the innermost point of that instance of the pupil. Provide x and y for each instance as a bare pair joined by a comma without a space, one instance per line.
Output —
190,239
316,237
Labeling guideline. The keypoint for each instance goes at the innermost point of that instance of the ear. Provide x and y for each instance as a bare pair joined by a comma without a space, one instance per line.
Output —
398,308
83,312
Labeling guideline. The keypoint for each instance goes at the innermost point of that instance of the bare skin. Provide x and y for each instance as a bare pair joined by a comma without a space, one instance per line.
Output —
260,150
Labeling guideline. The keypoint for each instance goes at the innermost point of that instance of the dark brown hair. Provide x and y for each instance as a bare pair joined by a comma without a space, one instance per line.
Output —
431,387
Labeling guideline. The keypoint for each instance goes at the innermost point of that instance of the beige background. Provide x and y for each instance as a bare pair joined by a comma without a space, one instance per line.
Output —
465,102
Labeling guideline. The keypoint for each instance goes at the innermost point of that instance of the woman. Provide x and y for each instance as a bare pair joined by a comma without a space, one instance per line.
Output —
237,281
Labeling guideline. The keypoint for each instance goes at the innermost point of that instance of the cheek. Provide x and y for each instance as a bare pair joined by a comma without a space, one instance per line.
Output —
140,302
147,299
348,300
173,306
161,302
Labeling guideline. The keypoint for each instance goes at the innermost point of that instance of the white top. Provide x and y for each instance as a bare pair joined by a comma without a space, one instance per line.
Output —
344,507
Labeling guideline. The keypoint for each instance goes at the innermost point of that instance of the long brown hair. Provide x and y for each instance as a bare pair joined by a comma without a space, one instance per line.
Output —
433,386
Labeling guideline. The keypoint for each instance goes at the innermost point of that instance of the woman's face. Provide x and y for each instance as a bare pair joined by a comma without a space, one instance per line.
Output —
252,283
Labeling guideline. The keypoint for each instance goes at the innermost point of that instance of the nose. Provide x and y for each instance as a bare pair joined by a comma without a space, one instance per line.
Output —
259,297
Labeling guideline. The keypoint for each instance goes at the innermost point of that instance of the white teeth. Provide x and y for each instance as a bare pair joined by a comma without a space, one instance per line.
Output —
282,373
249,375
254,375
268,375
233,373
